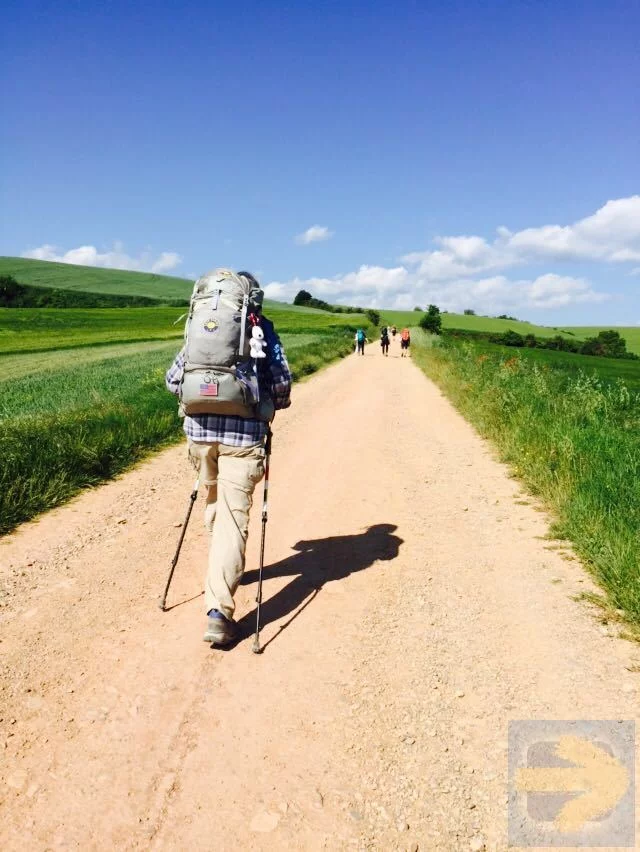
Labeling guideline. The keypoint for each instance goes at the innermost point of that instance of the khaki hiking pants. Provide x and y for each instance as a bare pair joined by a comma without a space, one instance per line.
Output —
230,475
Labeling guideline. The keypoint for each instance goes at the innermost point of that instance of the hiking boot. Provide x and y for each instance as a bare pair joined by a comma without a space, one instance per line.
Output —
220,630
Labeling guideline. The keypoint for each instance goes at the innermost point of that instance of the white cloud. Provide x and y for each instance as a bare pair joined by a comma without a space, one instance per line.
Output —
116,258
611,234
166,261
401,288
314,234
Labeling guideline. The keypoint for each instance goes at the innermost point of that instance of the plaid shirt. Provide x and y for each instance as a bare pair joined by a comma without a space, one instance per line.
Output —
275,381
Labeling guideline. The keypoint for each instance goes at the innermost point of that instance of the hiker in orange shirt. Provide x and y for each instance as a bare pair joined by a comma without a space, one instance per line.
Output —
405,342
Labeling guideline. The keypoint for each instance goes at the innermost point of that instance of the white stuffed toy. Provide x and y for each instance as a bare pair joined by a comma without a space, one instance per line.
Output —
257,343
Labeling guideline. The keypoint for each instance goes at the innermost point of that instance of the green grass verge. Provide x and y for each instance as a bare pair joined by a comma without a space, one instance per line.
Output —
573,438
83,418
609,370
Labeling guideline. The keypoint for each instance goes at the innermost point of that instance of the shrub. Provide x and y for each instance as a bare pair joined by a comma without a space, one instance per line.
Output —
372,316
302,297
432,320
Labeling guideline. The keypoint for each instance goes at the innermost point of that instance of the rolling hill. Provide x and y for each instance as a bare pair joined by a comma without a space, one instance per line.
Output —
63,276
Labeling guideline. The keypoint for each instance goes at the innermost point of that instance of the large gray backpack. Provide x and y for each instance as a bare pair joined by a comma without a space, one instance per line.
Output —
219,375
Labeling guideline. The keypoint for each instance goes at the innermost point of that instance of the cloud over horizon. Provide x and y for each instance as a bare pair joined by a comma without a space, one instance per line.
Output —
314,234
379,287
611,235
468,271
116,258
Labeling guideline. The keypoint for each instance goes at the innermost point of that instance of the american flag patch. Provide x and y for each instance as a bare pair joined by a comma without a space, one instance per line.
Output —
209,389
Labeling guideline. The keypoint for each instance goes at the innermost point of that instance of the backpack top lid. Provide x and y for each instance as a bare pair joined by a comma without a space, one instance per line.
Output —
236,283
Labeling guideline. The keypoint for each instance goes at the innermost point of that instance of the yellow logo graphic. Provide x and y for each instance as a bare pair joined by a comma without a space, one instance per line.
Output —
600,779
210,325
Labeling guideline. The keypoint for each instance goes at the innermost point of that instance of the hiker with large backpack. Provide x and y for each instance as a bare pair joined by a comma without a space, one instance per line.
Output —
405,342
230,376
384,340
361,339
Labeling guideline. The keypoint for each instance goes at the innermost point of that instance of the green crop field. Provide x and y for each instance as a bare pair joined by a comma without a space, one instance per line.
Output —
569,426
90,279
82,392
464,322
40,329
630,333
609,370
473,323
66,276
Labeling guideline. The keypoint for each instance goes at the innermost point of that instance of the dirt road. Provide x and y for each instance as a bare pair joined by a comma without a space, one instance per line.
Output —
413,607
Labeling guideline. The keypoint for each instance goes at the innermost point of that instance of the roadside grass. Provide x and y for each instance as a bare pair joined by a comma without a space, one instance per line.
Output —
83,418
607,369
571,436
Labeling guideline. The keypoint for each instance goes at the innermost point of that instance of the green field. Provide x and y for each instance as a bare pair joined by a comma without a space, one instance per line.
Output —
630,333
90,279
572,436
473,323
82,392
65,276
40,329
489,324
609,370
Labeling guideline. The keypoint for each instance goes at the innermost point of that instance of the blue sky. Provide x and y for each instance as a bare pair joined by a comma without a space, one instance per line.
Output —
181,137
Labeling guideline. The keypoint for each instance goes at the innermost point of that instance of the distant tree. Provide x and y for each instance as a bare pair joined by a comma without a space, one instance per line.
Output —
512,338
418,308
561,344
11,293
432,321
303,297
469,312
372,316
607,344
530,341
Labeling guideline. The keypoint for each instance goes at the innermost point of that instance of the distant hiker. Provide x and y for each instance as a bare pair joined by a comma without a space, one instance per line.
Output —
405,342
384,340
394,331
361,339
228,398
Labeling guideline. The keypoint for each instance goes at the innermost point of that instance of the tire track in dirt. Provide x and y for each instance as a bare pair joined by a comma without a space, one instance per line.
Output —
412,609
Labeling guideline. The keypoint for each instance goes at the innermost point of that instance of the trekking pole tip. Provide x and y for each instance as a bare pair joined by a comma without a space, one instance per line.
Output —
256,647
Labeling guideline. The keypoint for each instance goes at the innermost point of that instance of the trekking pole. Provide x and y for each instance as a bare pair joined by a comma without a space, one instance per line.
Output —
256,641
192,500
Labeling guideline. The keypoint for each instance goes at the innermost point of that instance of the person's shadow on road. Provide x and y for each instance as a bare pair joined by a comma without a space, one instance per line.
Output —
318,562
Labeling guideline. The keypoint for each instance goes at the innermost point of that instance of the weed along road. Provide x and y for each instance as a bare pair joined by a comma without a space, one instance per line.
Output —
413,605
